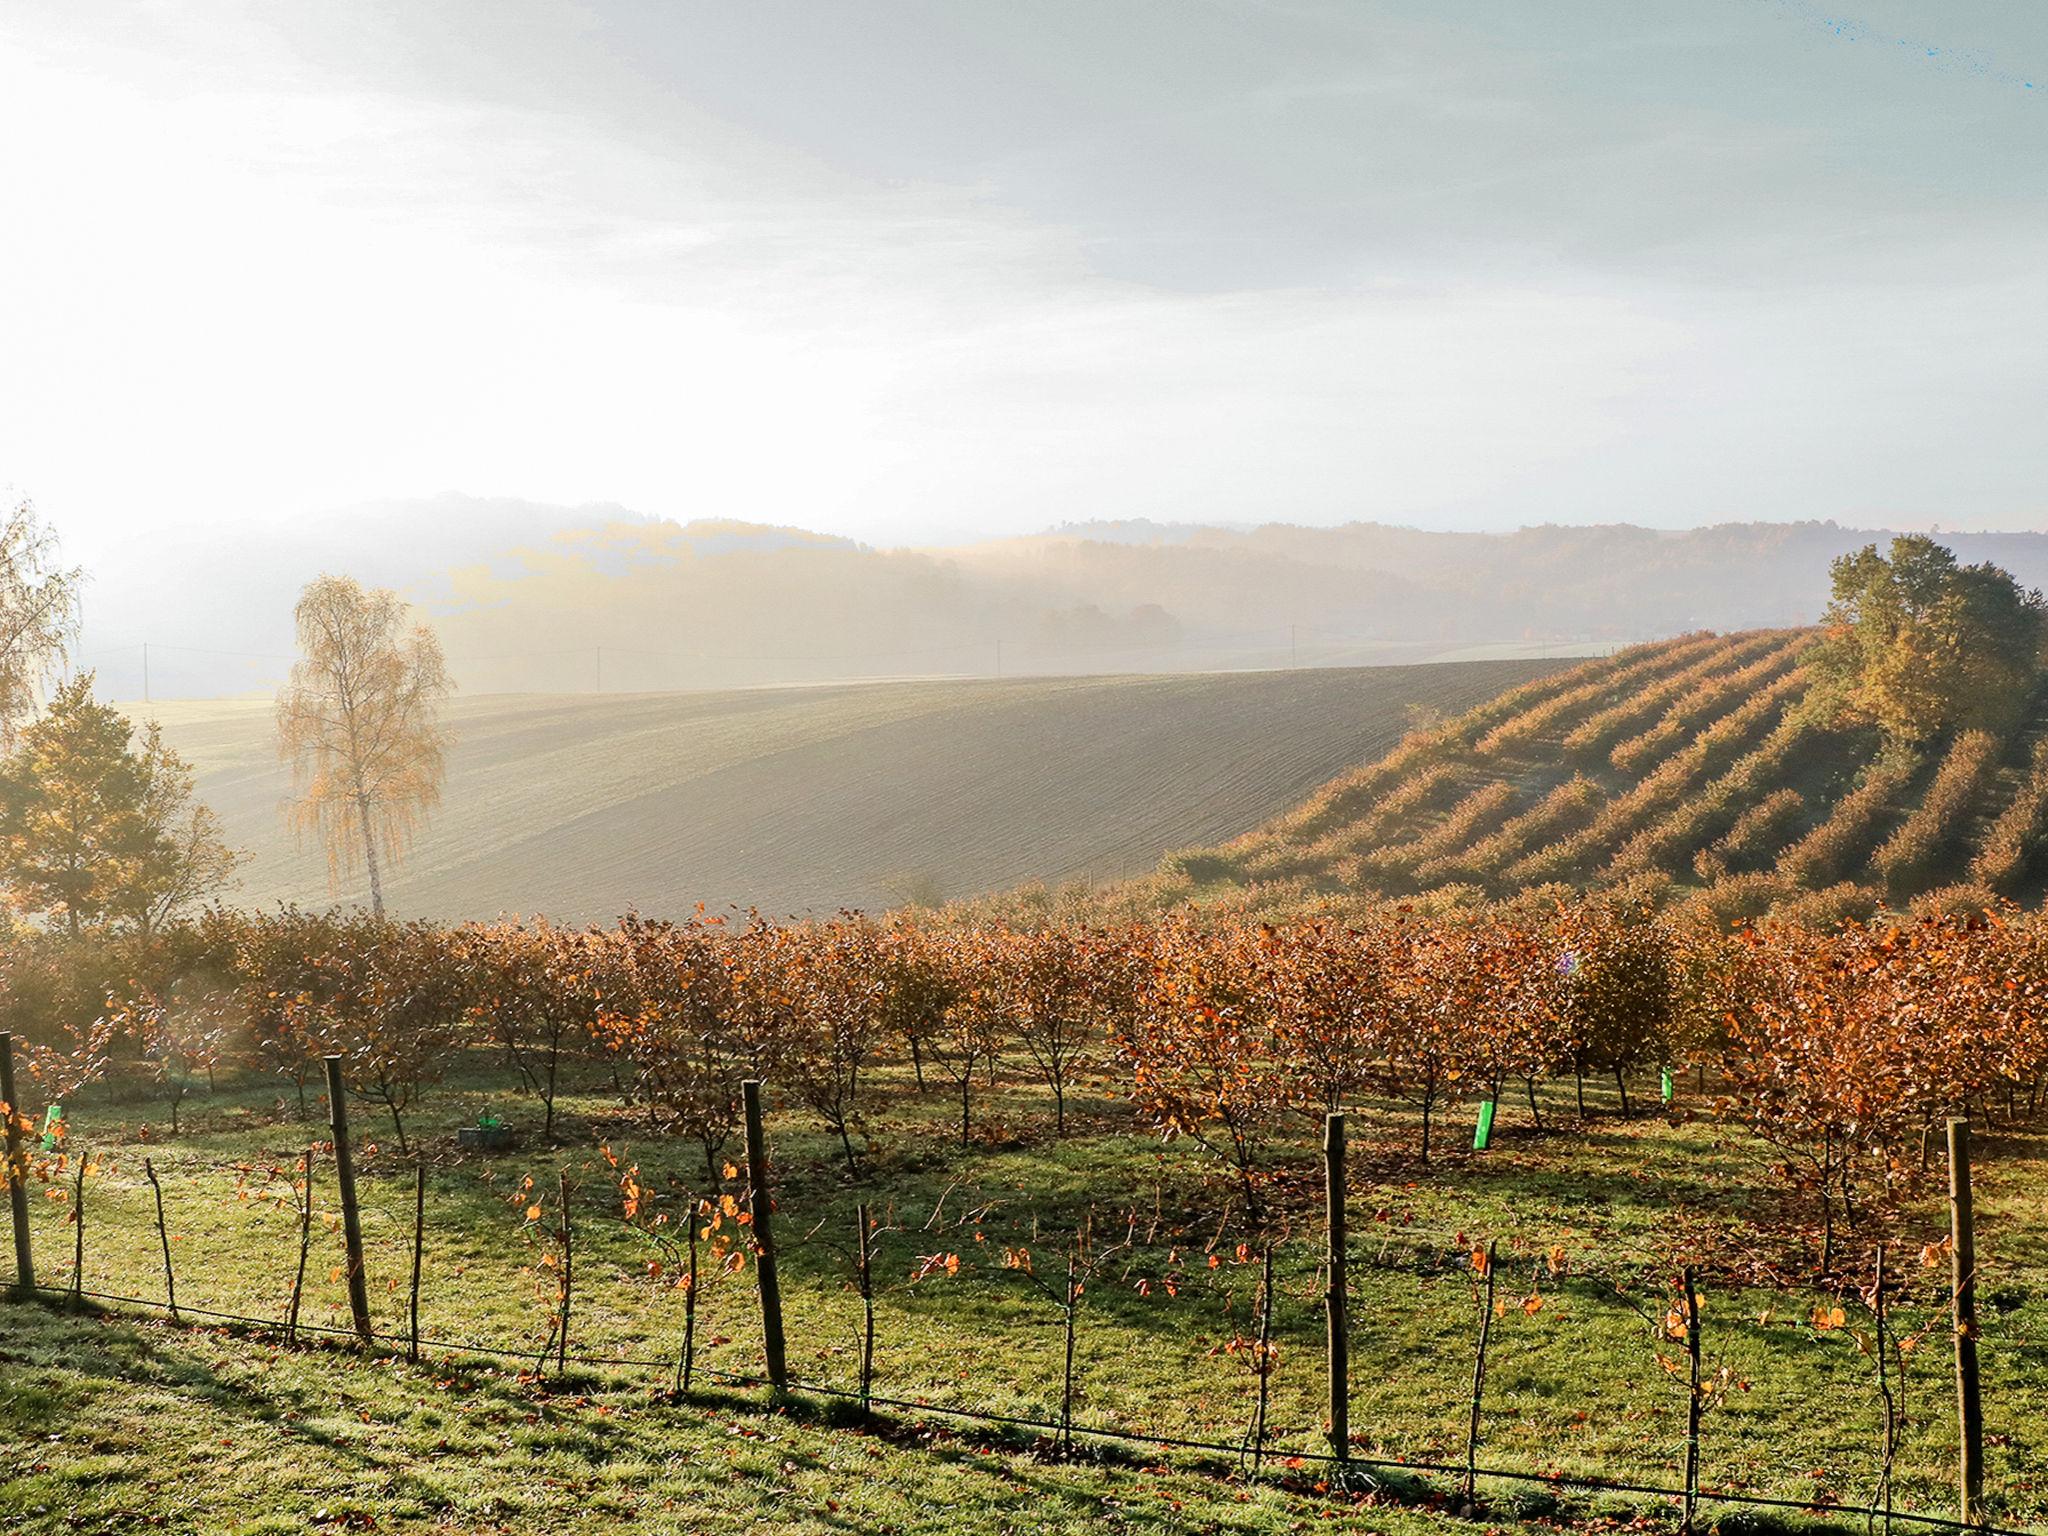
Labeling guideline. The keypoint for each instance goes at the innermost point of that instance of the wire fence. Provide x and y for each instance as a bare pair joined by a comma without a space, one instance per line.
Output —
1052,1428
1432,1255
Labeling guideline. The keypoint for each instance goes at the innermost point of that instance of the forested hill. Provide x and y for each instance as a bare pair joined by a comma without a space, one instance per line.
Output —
1685,768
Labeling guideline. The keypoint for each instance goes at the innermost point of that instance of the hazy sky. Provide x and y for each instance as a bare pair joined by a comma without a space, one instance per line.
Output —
909,271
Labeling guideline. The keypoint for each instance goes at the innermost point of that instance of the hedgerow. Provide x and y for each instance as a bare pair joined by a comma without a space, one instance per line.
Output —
1711,752
1697,820
1564,810
1474,816
1530,723
1757,833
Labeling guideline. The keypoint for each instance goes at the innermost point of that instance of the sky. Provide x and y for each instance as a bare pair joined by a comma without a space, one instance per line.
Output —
923,272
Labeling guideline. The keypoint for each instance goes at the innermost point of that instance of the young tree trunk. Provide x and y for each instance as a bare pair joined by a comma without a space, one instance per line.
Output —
548,1111
397,1125
370,856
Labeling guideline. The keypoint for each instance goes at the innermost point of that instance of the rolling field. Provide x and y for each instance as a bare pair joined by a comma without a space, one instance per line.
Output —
802,799
1685,768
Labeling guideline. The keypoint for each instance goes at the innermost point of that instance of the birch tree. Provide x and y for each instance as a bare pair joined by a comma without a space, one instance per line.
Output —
359,723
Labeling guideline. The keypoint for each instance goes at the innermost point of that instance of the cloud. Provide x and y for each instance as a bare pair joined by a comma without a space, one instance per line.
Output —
908,274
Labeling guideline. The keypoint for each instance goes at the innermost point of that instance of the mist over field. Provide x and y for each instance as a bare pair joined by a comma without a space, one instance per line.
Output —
540,599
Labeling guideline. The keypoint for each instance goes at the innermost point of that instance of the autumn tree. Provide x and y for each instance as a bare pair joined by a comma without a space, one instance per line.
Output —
38,613
531,992
359,723
1918,645
665,1006
833,976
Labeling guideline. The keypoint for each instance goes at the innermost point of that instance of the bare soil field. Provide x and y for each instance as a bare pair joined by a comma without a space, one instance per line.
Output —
807,799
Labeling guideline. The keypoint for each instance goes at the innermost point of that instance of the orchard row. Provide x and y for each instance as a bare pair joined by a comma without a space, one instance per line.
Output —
1843,1049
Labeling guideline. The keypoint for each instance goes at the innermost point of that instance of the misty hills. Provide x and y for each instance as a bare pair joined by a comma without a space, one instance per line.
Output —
537,598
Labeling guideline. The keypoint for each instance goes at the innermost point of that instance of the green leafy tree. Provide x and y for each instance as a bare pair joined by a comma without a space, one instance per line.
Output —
72,836
1918,645
95,830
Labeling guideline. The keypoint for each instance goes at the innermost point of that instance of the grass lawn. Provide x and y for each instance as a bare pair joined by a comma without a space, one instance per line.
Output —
126,1420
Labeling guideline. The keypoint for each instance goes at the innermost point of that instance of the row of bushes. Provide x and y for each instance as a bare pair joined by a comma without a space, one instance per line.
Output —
1699,819
1714,750
1925,836
1598,734
2008,844
1710,701
1625,680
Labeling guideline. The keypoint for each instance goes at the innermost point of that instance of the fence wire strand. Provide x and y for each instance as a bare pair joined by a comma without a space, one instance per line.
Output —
1291,1460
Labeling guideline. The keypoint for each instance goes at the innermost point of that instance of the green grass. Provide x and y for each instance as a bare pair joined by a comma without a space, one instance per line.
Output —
225,1430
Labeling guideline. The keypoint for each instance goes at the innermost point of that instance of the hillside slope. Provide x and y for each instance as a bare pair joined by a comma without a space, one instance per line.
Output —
1682,768
810,798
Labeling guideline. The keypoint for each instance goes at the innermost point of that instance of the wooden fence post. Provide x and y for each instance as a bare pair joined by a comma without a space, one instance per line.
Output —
1969,1397
562,1337
1334,1190
759,1204
1264,1356
163,1237
687,1361
345,1178
17,1173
